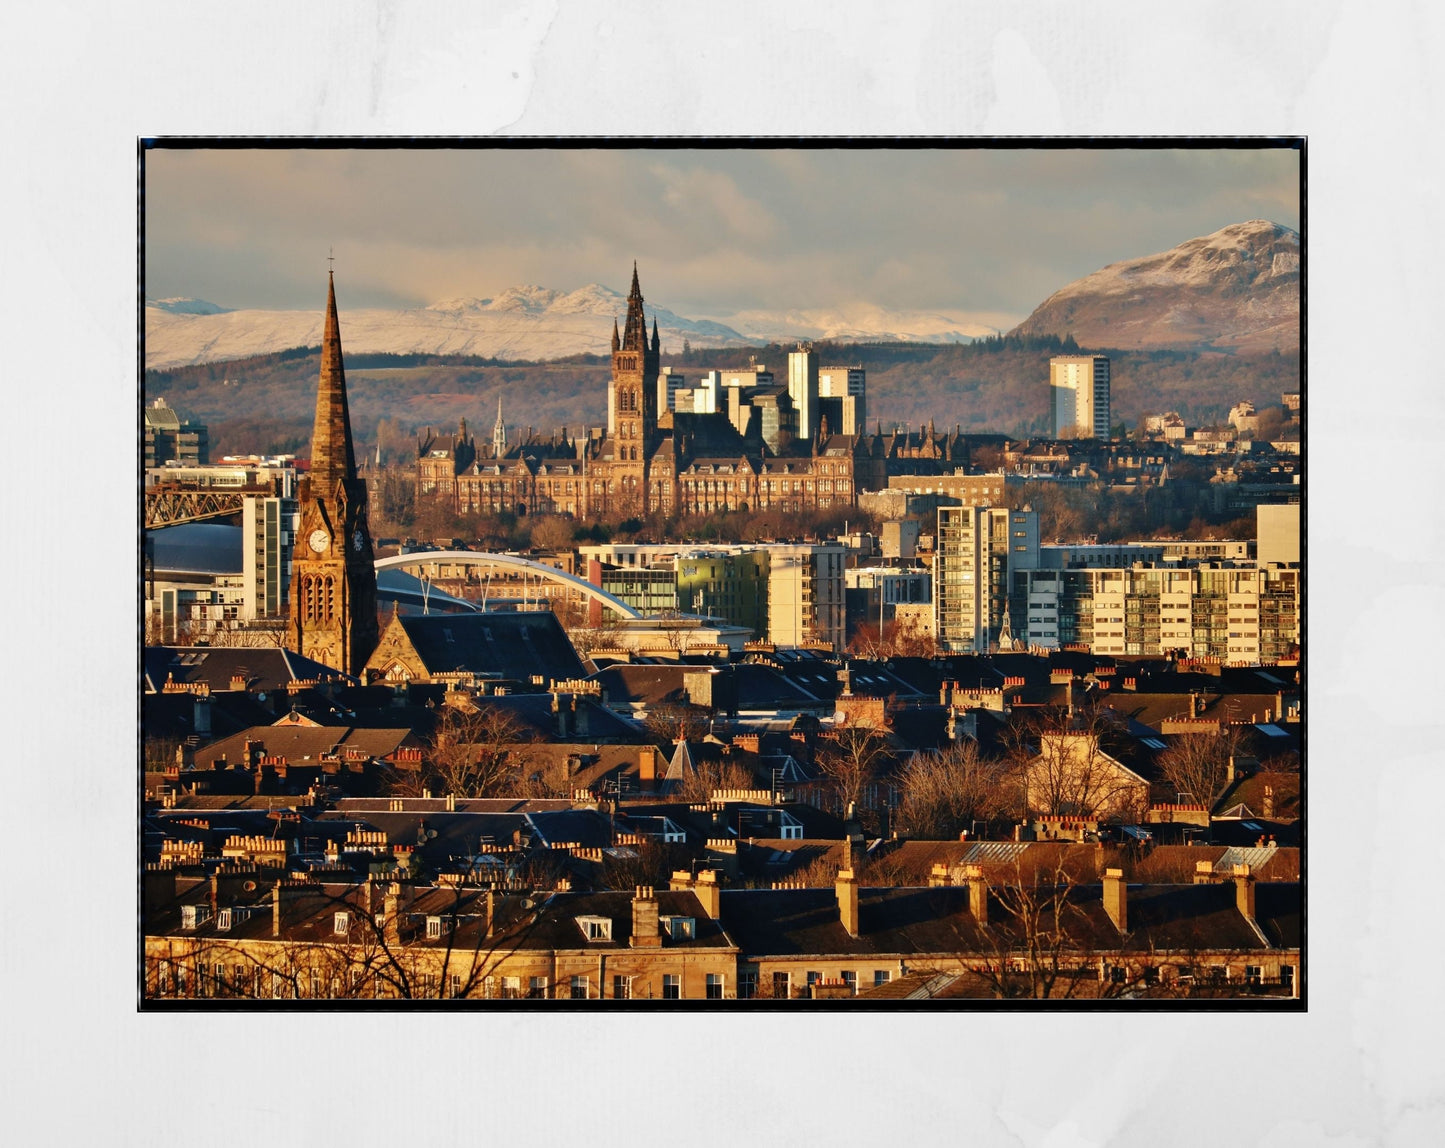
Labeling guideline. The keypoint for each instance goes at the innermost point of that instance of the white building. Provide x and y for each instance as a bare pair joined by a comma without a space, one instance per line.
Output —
803,388
1079,396
805,594
669,382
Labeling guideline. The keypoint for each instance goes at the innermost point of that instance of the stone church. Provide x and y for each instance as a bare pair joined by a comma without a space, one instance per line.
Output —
333,576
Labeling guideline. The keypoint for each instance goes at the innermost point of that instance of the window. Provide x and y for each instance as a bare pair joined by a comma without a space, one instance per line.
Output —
881,977
579,988
537,989
596,928
433,928
341,924
193,915
1253,975
850,978
223,920
680,928
511,988
781,988
671,987
456,987
714,986
1286,976
621,988
315,983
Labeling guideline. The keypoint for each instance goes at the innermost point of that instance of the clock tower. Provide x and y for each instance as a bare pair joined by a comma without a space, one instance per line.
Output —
333,579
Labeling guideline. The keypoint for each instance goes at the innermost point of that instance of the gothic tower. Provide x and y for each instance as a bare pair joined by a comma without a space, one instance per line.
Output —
633,395
333,579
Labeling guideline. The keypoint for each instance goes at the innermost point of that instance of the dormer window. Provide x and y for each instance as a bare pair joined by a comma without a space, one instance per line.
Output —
193,915
341,924
433,928
595,928
680,928
223,920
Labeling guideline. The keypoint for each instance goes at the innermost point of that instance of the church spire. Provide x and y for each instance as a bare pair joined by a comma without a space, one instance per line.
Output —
634,332
332,455
499,432
656,342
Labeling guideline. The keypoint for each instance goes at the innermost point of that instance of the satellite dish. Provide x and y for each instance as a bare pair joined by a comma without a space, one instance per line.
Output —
261,697
839,715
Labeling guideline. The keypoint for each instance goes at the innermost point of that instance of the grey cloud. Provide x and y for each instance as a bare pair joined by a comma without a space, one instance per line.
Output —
713,230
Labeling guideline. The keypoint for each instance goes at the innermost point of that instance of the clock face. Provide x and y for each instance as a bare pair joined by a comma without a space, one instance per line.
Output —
319,540
356,541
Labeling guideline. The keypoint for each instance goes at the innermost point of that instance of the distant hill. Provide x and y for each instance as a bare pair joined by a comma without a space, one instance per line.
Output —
266,403
1237,289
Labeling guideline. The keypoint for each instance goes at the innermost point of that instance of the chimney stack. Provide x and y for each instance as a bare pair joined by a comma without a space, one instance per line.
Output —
708,892
938,878
645,932
201,714
847,890
1244,891
1116,899
977,894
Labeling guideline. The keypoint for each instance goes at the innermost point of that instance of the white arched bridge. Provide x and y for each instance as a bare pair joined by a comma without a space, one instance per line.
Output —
509,562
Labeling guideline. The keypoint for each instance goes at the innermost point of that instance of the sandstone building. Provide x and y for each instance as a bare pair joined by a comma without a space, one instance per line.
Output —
752,444
333,577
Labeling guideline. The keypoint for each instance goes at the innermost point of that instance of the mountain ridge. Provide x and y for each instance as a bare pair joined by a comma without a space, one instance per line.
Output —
1236,289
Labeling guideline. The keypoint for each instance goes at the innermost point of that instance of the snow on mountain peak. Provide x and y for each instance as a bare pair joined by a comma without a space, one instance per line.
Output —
184,306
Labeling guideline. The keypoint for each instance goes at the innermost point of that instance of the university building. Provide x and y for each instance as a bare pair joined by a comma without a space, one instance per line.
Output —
737,440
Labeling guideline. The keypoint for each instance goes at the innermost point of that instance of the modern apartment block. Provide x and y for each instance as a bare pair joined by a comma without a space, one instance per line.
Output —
843,398
805,594
169,438
1236,612
788,594
978,550
1079,396
716,583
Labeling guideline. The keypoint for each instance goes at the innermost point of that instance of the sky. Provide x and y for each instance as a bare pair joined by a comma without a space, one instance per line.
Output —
972,231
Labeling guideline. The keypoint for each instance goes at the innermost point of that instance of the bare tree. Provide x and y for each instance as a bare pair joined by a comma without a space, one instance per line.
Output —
1197,765
673,723
945,791
552,533
1066,769
481,752
852,757
708,776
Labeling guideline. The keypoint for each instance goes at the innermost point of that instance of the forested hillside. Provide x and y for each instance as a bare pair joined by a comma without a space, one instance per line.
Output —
265,404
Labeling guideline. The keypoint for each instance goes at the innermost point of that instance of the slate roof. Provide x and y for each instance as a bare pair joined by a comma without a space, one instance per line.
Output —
266,668
304,744
504,645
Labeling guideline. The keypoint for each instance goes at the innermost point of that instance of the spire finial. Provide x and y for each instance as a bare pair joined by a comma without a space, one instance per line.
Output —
331,261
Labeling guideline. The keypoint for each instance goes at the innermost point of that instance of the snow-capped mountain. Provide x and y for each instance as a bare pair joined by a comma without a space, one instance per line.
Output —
186,306
1237,288
526,322
866,322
